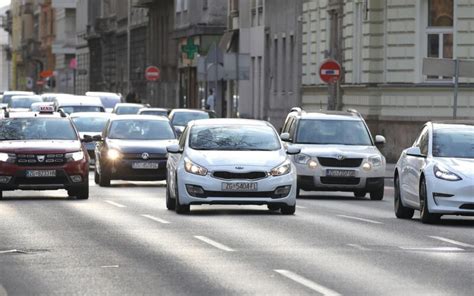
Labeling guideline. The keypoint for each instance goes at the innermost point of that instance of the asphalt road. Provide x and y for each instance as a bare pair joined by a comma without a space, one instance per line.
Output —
123,241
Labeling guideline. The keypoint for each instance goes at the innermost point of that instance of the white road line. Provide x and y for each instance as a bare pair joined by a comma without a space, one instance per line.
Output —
110,266
214,243
452,242
300,207
9,251
436,249
360,219
156,219
115,204
307,283
3,292
359,247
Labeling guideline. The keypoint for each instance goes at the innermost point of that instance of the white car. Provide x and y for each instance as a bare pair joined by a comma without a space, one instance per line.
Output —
230,161
436,174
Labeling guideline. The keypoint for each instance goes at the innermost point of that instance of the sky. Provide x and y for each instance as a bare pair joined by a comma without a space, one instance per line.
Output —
5,2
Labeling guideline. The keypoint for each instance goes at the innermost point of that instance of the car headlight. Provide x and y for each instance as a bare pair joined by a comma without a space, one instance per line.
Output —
302,158
75,156
282,169
193,168
7,157
113,154
445,174
376,160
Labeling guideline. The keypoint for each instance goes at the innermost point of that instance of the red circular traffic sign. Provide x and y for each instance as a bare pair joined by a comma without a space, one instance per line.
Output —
152,73
330,71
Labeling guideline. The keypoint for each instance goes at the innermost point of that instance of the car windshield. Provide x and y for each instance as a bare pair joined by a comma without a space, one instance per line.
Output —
90,124
154,112
333,132
8,97
77,109
456,141
127,110
183,118
134,129
234,138
23,102
36,129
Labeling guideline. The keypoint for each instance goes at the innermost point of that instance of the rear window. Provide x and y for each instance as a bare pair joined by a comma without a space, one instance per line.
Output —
141,130
128,110
333,132
14,129
109,102
23,102
77,109
183,118
90,124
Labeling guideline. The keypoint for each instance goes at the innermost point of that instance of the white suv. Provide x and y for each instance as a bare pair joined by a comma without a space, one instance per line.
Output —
338,152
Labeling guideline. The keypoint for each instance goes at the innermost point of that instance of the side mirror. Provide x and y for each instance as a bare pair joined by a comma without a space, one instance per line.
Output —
414,151
380,140
293,150
174,149
87,139
285,137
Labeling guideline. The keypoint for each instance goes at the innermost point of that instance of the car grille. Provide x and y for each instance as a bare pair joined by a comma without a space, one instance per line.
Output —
139,156
340,181
344,163
40,159
239,176
467,207
42,181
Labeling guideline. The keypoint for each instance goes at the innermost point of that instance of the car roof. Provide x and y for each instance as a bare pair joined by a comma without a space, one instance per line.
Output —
129,105
188,110
12,92
230,121
79,101
101,93
35,115
329,115
153,109
452,122
138,117
26,97
91,114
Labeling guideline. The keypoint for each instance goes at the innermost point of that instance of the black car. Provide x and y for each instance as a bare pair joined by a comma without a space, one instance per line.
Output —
133,147
181,117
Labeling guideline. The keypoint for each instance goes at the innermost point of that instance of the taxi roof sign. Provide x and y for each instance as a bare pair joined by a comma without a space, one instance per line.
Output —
46,109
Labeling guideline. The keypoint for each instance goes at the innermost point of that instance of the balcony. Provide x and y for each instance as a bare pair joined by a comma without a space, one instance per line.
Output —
7,22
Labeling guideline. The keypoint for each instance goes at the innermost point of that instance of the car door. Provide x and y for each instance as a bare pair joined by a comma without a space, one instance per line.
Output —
413,167
174,159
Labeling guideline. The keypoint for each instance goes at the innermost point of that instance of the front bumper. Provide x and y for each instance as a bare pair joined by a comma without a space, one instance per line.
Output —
446,197
122,170
66,177
214,194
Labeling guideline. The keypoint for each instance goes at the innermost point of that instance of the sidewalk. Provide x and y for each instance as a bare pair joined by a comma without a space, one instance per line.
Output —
390,169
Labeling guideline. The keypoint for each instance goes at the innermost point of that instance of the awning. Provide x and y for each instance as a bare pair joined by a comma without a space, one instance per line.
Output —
226,40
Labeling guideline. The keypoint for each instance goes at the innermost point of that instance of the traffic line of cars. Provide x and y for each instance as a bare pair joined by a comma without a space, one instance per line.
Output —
234,161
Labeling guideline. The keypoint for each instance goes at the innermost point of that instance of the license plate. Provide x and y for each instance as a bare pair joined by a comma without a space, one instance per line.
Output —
41,174
239,187
145,165
340,173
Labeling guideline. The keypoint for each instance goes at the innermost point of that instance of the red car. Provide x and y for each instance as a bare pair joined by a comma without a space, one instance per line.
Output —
42,151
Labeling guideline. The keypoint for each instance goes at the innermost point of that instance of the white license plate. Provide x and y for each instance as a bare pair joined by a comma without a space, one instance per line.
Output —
239,187
145,165
41,174
340,173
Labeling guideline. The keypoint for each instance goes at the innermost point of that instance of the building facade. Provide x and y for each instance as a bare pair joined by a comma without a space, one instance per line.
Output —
383,44
5,55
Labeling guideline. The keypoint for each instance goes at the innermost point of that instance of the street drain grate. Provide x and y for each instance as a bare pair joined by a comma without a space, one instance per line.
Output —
22,252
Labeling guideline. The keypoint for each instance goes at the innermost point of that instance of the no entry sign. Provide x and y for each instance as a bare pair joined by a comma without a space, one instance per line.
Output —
152,73
330,71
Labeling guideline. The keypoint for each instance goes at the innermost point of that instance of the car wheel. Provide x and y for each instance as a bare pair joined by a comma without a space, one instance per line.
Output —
179,208
170,202
298,191
96,176
104,177
360,194
377,194
272,207
288,210
425,216
1,194
401,211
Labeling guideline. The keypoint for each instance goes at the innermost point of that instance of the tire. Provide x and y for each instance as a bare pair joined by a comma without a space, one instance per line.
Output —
360,194
298,192
170,202
1,194
377,194
401,212
104,177
179,208
273,207
96,176
288,210
425,216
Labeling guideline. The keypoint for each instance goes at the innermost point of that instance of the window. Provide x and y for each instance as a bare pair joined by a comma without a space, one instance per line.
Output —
440,30
179,5
205,4
422,141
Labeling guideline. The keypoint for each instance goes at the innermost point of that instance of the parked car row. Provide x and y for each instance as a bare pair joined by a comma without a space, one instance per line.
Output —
235,161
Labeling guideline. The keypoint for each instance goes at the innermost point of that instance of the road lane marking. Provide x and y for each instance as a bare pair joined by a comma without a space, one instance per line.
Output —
360,219
109,266
214,243
300,207
436,249
156,219
115,204
447,240
307,283
359,247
